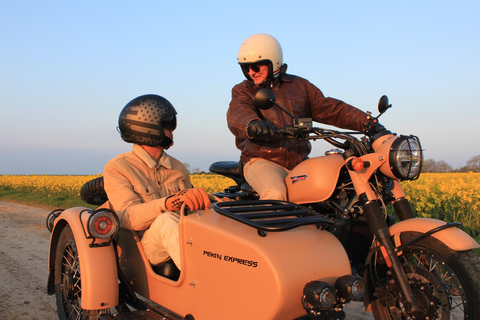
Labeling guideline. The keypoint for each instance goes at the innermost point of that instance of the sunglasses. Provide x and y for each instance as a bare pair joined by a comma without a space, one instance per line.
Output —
254,66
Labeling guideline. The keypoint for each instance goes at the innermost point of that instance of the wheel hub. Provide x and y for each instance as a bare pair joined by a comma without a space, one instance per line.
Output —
427,291
68,287
423,294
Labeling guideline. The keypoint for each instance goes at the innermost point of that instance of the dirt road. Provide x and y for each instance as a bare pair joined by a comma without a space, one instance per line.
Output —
24,242
23,263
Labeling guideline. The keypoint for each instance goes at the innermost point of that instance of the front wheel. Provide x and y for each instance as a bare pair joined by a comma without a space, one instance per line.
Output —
445,283
68,289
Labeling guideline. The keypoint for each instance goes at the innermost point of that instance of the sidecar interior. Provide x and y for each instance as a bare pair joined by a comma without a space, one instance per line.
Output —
134,263
132,257
168,269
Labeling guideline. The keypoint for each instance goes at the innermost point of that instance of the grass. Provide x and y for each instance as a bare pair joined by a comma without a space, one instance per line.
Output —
37,200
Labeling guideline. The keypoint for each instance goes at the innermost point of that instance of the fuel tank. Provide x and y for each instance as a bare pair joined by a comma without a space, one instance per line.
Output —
315,179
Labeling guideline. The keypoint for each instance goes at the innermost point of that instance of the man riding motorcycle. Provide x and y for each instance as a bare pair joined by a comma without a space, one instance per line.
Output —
268,157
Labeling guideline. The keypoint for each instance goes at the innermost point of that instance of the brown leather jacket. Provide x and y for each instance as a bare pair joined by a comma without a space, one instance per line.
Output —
299,97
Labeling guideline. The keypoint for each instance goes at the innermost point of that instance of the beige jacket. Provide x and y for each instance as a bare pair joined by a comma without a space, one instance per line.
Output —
137,186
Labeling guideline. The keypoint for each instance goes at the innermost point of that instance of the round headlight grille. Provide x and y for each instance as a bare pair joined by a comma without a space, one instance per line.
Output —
406,158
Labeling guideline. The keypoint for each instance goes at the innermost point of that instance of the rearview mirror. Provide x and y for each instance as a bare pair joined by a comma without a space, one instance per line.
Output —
264,99
383,104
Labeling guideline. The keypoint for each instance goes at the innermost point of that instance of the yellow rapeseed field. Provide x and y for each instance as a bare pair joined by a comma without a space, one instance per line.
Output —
445,196
66,185
211,183
46,185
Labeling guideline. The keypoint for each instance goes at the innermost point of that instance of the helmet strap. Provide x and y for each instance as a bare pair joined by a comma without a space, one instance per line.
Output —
166,143
273,81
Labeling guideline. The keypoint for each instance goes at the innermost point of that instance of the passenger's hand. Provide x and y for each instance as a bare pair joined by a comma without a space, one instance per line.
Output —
195,199
261,130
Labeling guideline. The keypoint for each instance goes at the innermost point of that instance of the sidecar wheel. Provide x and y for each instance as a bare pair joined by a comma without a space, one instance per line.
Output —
92,192
445,283
68,280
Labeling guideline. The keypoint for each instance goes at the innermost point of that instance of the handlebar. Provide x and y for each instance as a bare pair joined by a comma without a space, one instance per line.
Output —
302,128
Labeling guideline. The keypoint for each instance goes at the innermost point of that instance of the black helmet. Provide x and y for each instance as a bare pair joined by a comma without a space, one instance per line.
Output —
142,121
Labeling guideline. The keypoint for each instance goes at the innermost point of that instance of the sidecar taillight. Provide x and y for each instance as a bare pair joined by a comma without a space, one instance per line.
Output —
103,224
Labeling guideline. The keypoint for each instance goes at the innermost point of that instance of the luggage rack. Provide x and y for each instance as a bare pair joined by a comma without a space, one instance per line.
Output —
271,215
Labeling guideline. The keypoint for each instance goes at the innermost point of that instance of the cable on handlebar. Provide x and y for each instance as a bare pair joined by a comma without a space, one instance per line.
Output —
327,135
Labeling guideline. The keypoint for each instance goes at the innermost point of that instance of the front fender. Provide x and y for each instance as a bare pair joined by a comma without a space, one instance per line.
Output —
455,238
98,268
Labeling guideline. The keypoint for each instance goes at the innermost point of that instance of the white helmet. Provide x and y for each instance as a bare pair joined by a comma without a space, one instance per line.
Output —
261,47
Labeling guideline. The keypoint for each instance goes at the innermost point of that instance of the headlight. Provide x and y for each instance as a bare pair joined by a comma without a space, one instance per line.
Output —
318,295
406,158
103,224
350,287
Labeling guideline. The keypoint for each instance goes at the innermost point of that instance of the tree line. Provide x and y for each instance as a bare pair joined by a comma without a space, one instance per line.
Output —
472,165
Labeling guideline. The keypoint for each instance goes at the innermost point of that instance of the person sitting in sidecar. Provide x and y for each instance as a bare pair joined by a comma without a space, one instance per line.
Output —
146,186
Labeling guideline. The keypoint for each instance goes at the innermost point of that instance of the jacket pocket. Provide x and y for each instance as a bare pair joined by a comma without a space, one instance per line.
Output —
175,186
145,193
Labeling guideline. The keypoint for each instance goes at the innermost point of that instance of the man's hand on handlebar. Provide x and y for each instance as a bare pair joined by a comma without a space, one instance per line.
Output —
261,130
371,126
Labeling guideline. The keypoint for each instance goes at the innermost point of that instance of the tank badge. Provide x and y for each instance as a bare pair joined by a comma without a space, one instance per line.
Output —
298,178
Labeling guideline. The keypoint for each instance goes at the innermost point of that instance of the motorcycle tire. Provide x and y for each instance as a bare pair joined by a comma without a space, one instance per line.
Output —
445,283
92,192
68,281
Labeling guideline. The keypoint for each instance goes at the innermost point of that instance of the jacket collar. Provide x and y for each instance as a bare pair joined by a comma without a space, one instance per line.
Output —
164,161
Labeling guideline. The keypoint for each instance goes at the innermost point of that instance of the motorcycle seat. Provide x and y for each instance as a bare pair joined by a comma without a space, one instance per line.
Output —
226,168
231,169
167,269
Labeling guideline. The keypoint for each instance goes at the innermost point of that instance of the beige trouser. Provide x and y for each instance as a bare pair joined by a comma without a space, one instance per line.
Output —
267,178
161,241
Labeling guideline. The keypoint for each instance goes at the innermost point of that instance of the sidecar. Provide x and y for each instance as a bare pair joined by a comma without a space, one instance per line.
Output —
240,260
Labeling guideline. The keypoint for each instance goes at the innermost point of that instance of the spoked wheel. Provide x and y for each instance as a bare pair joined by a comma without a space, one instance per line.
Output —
445,284
68,289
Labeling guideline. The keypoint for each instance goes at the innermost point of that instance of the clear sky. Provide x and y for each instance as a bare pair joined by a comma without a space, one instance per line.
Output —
69,67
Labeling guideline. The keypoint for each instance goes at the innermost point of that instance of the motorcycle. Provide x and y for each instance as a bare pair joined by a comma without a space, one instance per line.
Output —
416,268
332,242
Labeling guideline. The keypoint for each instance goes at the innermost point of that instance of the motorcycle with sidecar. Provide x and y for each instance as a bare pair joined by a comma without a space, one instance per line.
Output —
332,242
